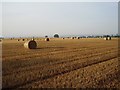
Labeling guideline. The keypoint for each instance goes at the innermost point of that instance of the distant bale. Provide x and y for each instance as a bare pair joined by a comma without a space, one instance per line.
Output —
23,39
30,44
47,39
72,37
33,39
63,38
78,37
109,38
105,38
18,40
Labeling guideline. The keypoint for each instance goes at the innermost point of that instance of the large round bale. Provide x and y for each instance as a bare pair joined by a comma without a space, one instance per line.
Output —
30,44
47,39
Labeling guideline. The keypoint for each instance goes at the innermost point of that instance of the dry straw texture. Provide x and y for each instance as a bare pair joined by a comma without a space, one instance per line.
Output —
30,44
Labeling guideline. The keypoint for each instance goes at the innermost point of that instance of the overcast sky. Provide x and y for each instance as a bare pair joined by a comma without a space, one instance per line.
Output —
65,18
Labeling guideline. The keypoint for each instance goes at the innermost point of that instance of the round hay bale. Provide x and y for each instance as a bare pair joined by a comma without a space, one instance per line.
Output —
63,38
18,40
72,37
47,39
33,39
109,38
30,44
78,37
106,38
23,39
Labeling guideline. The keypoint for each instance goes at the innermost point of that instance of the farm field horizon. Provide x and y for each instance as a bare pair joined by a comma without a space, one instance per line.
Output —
60,63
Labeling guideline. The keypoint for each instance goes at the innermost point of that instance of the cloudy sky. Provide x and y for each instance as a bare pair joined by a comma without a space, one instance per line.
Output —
65,18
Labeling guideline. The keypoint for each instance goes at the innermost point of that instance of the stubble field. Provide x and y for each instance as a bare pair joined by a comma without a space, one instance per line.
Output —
58,63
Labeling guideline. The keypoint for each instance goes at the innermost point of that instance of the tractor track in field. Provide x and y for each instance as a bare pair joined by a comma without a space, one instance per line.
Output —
60,73
19,57
72,59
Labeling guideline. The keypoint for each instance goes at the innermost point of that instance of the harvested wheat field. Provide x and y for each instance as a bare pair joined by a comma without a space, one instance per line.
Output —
68,63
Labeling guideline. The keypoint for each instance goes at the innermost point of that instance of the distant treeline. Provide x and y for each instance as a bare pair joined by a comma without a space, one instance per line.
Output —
114,36
88,36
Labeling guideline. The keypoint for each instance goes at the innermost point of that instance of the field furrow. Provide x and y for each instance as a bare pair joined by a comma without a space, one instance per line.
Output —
48,72
96,75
